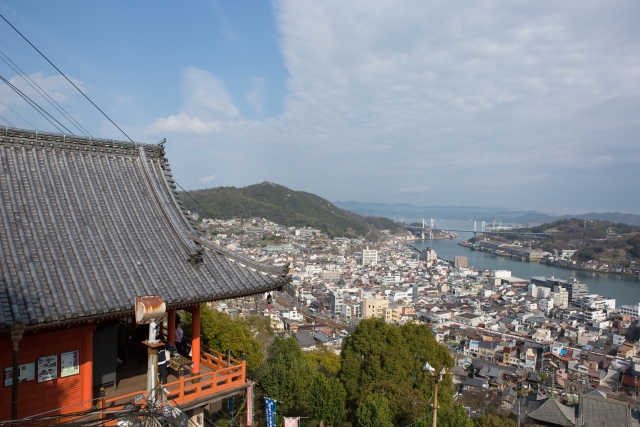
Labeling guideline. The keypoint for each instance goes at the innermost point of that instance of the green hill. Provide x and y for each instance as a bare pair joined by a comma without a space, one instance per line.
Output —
283,206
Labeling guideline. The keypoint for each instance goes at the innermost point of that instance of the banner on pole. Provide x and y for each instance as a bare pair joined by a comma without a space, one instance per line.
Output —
291,422
250,404
270,406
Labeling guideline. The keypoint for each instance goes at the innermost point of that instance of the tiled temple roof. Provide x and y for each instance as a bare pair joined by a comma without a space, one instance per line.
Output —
87,225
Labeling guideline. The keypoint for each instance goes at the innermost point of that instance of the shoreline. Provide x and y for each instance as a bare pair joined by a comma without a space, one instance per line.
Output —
551,264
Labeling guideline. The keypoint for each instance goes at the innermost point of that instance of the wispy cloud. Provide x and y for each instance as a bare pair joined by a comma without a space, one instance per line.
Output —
255,95
413,190
209,178
384,93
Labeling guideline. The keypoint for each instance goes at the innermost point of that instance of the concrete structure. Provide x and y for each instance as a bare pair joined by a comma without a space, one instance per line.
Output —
630,310
374,307
572,285
369,256
560,297
460,261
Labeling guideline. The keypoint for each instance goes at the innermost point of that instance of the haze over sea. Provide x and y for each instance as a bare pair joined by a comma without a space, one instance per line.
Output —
625,289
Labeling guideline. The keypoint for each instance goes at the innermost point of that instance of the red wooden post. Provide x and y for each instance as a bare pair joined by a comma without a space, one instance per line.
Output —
87,370
195,341
171,315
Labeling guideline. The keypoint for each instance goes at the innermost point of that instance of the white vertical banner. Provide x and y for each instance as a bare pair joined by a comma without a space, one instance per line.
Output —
250,404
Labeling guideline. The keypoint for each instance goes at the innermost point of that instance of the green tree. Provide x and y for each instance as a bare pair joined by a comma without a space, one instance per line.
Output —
374,412
325,361
387,360
220,332
493,420
327,400
286,376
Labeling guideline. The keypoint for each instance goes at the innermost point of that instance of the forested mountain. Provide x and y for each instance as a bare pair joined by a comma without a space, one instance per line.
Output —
283,206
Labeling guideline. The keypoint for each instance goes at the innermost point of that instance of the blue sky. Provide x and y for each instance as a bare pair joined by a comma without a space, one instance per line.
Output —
527,105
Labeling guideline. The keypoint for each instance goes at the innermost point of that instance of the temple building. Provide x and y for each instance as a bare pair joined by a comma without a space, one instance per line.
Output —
88,225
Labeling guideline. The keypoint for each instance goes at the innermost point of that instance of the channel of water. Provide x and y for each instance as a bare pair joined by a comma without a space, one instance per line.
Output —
625,289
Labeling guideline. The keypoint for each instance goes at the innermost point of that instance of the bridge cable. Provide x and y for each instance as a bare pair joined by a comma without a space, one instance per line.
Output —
63,75
35,106
44,94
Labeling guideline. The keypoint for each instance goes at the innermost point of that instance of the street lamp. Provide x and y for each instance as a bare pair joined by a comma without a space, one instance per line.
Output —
428,368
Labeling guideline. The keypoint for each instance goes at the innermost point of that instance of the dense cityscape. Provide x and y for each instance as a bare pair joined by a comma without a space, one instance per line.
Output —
522,336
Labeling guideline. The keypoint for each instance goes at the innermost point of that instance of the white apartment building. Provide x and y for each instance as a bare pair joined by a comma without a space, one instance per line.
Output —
429,255
336,301
630,310
351,309
532,290
560,297
304,232
397,295
594,314
330,274
595,301
545,305
543,292
369,256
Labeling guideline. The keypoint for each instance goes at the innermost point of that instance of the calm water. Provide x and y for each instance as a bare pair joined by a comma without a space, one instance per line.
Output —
625,289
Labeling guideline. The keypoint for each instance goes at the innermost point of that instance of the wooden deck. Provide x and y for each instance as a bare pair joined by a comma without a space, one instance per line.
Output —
216,376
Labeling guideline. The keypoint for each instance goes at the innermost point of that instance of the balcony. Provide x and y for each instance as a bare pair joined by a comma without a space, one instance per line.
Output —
217,379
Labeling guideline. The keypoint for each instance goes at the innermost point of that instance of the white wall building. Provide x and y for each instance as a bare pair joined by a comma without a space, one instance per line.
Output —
630,310
545,305
369,256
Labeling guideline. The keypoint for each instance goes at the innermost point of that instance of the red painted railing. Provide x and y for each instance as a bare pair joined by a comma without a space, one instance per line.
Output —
223,376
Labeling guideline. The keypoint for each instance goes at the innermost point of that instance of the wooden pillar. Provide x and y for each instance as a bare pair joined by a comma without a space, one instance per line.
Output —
195,341
87,369
171,315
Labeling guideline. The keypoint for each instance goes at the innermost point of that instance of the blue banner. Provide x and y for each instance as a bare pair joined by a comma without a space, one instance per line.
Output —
270,405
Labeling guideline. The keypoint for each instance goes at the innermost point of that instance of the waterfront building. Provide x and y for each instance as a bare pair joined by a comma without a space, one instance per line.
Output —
460,261
572,285
630,310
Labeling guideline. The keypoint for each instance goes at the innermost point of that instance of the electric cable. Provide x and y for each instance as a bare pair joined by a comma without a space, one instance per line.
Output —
35,105
63,75
6,121
194,200
14,112
44,94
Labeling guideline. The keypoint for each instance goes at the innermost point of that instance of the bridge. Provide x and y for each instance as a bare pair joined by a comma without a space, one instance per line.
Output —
484,230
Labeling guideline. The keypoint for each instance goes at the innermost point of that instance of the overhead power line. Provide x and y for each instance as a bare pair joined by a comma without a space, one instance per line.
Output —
35,106
63,75
14,112
6,121
43,93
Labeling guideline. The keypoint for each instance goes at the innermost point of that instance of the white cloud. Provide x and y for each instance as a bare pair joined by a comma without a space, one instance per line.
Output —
206,96
255,95
209,178
413,190
386,92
